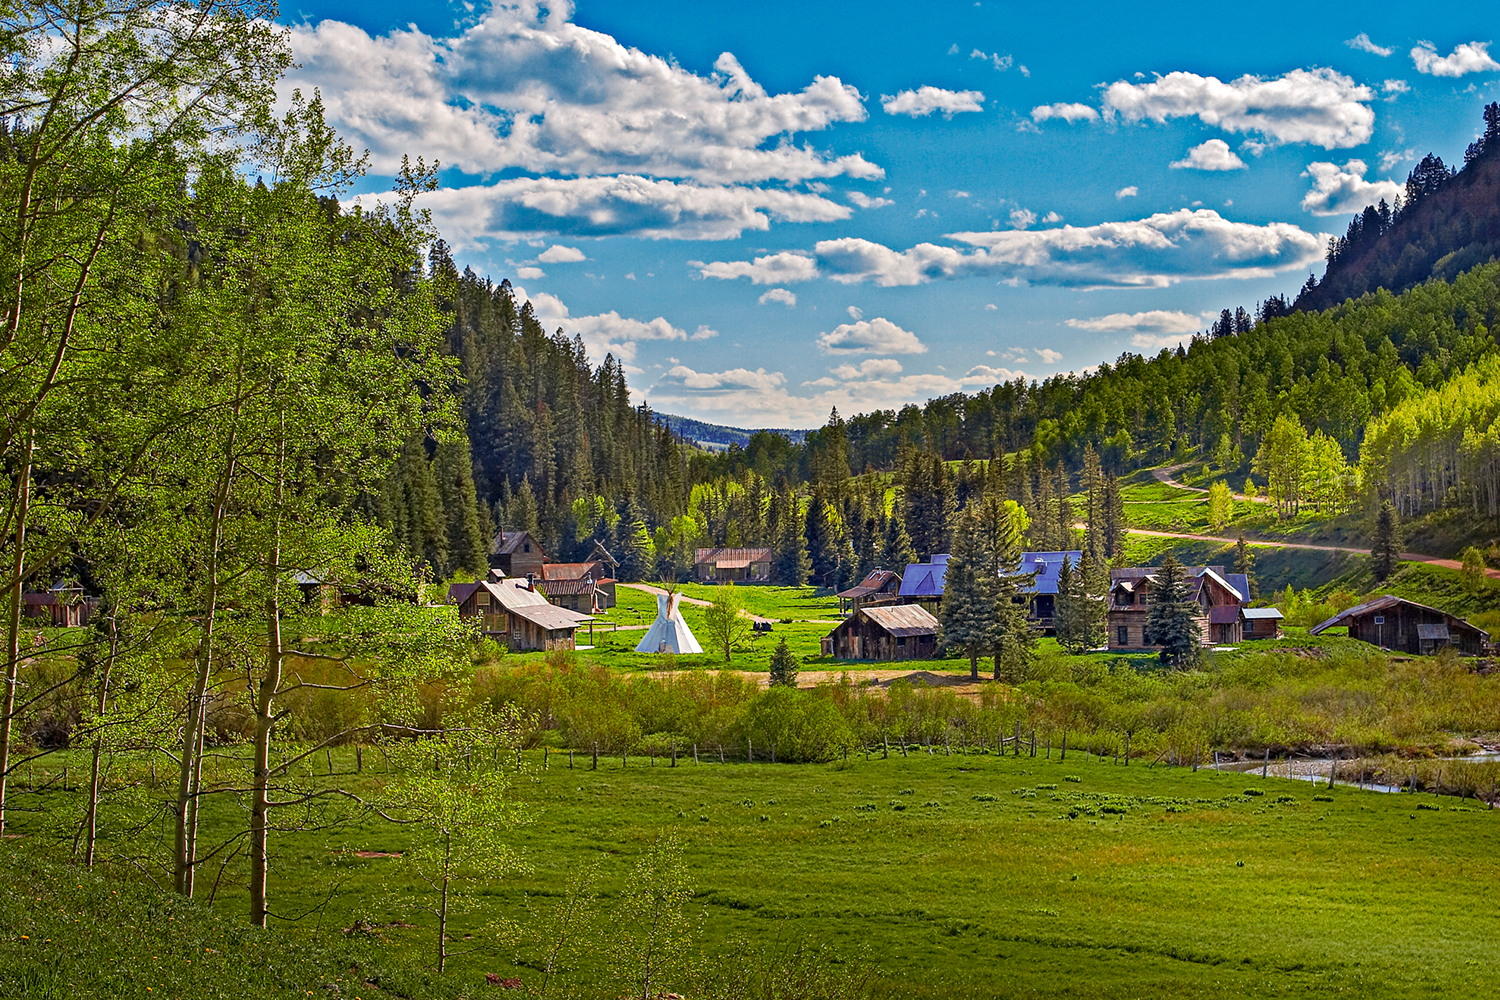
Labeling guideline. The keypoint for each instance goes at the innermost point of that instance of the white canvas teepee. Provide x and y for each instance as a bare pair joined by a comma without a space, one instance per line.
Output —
669,633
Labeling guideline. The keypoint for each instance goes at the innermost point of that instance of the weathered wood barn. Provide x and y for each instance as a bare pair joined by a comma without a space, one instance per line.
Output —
885,632
732,565
516,553
882,586
64,605
516,611
1396,623
1219,598
585,586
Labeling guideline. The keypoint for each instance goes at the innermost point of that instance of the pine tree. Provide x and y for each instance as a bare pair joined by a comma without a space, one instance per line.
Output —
896,550
1065,615
1044,517
790,564
637,553
1091,485
967,615
1092,602
1244,562
783,666
1065,513
521,513
468,543
822,546
1013,642
1114,519
1171,620
1387,548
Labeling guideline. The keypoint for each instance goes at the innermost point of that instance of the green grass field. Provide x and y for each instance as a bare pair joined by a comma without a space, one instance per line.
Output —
957,875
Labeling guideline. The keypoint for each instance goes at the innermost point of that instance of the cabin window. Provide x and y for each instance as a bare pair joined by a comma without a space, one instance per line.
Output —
483,600
900,640
1122,634
526,547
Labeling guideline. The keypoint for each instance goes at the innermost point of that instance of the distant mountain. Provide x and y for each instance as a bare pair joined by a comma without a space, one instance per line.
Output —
1445,223
717,437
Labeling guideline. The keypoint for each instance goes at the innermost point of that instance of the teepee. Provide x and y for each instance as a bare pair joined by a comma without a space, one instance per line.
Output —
669,633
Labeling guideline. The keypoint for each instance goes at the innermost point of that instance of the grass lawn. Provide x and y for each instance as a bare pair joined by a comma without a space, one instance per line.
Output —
958,875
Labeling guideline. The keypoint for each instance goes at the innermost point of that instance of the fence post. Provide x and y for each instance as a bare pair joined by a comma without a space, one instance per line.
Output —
1127,749
595,765
721,753
947,746
695,753
546,754
903,746
674,753
359,757
1033,741
749,751
570,758
885,742
1064,754
1266,764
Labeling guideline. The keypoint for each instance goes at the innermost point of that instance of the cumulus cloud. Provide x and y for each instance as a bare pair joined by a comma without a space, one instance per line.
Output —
523,87
865,201
1128,192
855,312
1020,218
1154,252
1067,112
606,333
1051,217
1340,190
528,207
1152,321
870,368
925,100
1362,42
558,254
1001,63
874,336
762,399
1320,107
772,269
1048,355
1214,154
782,295
1470,57
530,273
1159,341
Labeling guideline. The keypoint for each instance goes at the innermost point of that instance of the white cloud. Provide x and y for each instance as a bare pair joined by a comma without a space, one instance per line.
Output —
1321,107
530,273
761,399
782,295
925,100
1067,112
953,49
605,333
1341,190
1391,157
773,269
1155,321
1048,355
865,201
870,368
875,336
1020,218
529,207
523,87
1362,42
1051,217
1128,192
1154,252
1001,63
557,254
1155,342
1214,154
855,312
991,307
1470,57
1394,87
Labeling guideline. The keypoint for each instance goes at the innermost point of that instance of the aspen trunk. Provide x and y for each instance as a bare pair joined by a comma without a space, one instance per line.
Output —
91,824
13,625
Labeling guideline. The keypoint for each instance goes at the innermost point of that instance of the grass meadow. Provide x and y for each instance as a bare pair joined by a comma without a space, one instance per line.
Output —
948,876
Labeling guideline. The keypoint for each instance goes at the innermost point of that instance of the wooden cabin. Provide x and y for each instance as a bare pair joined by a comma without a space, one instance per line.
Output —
566,580
63,605
1395,623
922,583
518,612
882,586
1218,597
1041,594
885,632
732,565
517,553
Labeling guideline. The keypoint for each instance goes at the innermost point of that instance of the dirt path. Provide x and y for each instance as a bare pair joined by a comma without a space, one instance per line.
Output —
1493,574
685,599
1164,475
882,678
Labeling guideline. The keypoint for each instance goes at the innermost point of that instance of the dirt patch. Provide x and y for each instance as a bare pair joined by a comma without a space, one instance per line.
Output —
377,854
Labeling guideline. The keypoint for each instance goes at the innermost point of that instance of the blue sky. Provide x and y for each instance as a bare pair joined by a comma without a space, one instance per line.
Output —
769,209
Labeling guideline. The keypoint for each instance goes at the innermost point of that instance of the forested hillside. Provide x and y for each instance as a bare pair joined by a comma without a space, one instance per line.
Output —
1446,221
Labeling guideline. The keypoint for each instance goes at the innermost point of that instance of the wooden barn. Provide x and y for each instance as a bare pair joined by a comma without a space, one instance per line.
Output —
516,553
1219,598
518,612
882,586
582,586
1395,623
885,632
732,565
63,606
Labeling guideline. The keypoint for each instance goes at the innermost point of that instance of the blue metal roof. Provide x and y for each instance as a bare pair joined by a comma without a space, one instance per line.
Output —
925,579
1046,566
1240,582
1256,614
